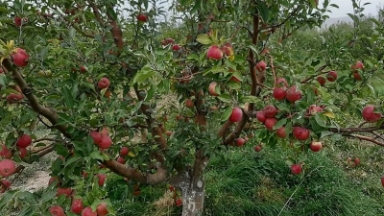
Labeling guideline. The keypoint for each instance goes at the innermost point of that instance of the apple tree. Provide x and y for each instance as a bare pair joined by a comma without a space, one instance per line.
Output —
112,86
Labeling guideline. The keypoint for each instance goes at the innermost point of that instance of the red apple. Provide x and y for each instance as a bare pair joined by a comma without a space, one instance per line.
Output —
260,116
53,179
179,202
13,97
293,94
281,132
170,41
370,115
228,49
101,178
313,109
168,133
321,80
212,89
4,185
176,47
23,152
357,66
77,206
124,151
214,52
104,131
88,212
282,82
357,76
315,91
64,191
7,167
301,133
234,79
83,69
121,160
357,161
20,57
102,209
167,41
236,115
270,123
258,148
84,174
17,21
240,141
260,66
103,83
105,142
315,146
56,210
270,111
382,181
142,17
5,152
279,93
332,76
172,188
96,137
296,169
189,103
24,141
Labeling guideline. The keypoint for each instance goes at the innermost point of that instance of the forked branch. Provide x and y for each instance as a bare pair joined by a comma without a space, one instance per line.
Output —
53,118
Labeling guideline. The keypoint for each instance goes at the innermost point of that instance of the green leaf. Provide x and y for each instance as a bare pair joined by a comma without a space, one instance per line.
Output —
143,75
334,5
283,107
96,155
72,160
53,99
280,123
250,99
325,133
263,11
253,48
233,85
226,113
47,196
226,98
204,39
320,120
3,80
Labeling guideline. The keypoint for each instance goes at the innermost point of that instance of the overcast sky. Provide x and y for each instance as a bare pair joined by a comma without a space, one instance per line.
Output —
345,6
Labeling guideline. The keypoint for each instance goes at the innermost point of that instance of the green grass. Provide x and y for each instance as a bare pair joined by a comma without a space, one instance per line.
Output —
250,183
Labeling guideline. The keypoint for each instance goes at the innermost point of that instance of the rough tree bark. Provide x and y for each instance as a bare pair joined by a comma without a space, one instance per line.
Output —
192,186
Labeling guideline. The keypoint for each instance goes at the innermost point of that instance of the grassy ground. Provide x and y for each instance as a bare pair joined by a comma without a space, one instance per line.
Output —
250,183
245,182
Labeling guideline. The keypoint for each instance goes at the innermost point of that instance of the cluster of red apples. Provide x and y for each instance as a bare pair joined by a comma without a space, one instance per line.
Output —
103,141
332,75
20,21
7,165
77,205
175,47
217,53
20,59
178,201
78,208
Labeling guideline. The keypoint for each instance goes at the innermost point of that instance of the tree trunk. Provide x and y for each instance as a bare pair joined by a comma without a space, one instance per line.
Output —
192,188
192,194
193,202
